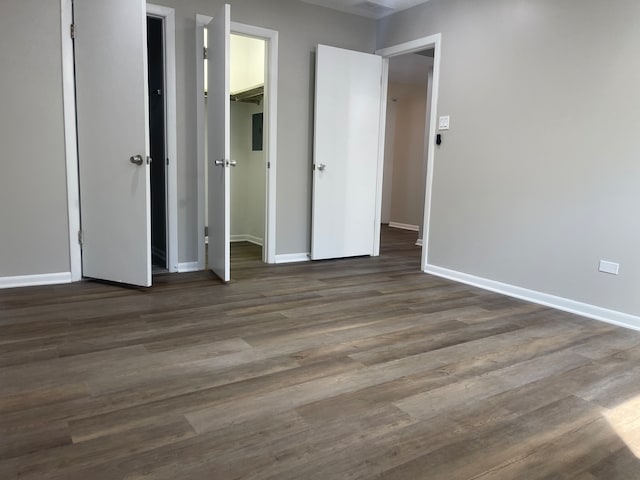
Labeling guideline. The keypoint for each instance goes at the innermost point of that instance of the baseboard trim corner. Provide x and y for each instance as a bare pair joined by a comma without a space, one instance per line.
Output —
247,238
293,257
594,312
405,226
35,280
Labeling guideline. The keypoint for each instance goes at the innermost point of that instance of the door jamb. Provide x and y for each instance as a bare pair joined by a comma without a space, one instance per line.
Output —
431,41
70,140
270,112
171,134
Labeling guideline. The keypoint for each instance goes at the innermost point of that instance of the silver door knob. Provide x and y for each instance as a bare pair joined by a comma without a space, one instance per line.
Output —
219,163
322,167
233,163
136,159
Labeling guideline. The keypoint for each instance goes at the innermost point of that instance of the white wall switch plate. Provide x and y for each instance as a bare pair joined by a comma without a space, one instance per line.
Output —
443,123
609,267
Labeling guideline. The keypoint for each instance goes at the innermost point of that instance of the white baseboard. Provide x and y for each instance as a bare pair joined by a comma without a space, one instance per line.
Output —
419,242
405,226
584,309
188,267
33,280
292,257
247,238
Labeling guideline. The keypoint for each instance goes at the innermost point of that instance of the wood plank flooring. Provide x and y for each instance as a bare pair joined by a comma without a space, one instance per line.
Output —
360,368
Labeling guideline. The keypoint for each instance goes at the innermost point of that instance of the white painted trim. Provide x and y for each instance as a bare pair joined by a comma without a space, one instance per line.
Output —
160,11
405,226
201,21
270,112
584,309
418,242
70,141
33,280
381,144
188,267
293,257
247,238
147,141
435,42
411,46
171,128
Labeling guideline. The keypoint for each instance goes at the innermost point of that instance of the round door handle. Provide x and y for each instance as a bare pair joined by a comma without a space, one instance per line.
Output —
322,167
219,163
233,163
136,160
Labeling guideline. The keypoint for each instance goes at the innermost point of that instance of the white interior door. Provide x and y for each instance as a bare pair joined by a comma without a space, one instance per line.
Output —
113,139
347,129
218,143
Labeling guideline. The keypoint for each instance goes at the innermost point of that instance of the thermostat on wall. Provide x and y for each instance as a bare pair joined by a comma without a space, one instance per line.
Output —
443,123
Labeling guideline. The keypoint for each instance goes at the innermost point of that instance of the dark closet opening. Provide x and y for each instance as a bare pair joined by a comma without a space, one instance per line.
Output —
155,56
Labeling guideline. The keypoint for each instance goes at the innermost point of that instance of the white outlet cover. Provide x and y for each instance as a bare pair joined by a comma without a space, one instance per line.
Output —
609,267
443,123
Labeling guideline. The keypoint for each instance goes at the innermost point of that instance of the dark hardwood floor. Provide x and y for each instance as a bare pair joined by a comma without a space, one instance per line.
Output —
361,368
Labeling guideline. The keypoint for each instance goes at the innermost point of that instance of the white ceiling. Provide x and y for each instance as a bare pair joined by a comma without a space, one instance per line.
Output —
368,8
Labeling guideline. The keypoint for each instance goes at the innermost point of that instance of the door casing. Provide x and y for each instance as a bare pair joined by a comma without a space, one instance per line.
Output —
432,41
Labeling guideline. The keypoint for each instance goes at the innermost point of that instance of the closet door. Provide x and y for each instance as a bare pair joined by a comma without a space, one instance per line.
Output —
347,129
219,144
113,139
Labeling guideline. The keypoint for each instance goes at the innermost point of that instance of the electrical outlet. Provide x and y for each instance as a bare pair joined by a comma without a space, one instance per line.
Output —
609,267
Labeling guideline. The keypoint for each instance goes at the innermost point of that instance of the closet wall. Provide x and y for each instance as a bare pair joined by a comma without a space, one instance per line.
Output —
248,178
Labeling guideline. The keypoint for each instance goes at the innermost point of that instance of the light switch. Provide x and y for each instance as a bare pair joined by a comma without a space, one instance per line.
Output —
443,123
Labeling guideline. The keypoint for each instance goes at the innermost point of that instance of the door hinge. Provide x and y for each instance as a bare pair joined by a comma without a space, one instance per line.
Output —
268,164
80,238
72,31
205,53
167,160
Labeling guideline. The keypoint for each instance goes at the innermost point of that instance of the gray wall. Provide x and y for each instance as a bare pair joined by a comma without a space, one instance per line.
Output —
301,27
34,236
537,180
248,178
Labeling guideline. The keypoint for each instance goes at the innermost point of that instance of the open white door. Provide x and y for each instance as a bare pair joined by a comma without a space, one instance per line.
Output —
113,141
347,129
218,142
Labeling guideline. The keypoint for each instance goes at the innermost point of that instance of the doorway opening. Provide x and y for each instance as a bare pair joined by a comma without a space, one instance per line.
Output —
248,178
408,111
157,142
424,44
253,122
161,96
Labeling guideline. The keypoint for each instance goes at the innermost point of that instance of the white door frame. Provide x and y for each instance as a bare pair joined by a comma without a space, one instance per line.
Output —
271,133
432,41
71,140
171,130
70,134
